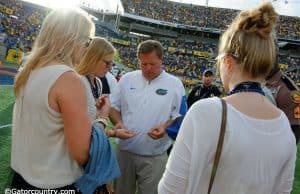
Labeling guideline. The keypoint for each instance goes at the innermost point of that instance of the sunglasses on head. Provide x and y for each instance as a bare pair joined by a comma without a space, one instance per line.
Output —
220,56
87,44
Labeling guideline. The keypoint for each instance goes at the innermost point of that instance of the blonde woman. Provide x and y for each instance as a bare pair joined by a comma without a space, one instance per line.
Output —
51,127
259,148
96,63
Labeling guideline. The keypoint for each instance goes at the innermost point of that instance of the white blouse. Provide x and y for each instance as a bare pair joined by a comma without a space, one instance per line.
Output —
258,156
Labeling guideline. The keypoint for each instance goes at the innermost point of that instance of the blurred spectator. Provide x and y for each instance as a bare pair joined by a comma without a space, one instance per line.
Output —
204,90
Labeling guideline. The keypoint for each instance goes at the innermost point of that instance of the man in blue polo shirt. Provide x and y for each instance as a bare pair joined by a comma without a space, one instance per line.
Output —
146,102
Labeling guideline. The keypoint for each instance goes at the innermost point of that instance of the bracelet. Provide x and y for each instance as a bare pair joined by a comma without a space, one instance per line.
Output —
101,125
103,121
103,117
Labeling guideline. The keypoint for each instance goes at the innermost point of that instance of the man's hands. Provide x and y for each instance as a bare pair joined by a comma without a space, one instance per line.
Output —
121,132
124,133
158,131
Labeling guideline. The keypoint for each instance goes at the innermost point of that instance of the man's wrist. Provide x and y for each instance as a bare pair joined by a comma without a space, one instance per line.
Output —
119,125
167,124
116,130
119,122
112,133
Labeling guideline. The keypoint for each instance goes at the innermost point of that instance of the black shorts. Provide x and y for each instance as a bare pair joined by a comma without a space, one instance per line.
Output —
19,183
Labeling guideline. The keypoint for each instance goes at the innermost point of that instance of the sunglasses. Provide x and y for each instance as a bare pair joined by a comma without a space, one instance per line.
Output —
107,63
87,44
223,55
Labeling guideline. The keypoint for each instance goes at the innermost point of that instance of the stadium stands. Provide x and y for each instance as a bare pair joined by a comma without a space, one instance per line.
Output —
22,25
179,59
194,15
185,58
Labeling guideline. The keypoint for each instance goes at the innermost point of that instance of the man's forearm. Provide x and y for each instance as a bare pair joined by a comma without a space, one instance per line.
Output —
115,116
168,123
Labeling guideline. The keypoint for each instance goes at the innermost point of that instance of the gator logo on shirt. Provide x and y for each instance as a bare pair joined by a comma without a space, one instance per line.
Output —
295,96
161,91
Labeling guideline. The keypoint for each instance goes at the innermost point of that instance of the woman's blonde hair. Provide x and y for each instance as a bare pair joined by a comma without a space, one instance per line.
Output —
97,50
250,40
62,32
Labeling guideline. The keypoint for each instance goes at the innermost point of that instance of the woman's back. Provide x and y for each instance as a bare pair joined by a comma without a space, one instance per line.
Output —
259,150
39,144
258,155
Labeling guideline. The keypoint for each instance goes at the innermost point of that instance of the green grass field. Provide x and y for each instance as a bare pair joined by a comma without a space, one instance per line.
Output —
6,105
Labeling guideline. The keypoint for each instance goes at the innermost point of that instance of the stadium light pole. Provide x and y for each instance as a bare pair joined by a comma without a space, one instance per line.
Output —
117,18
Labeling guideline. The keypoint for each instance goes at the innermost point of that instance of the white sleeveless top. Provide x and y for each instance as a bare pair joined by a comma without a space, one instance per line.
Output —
39,151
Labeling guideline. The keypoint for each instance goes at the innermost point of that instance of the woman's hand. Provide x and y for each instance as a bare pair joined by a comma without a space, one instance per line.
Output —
103,106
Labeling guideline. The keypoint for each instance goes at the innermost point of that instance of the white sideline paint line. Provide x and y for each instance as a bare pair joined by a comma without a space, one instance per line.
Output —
4,126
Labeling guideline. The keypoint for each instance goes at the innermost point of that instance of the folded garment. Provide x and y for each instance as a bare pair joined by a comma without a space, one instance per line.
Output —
102,166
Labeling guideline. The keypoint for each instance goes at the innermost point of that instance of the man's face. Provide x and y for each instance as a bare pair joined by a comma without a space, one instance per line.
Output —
207,79
150,65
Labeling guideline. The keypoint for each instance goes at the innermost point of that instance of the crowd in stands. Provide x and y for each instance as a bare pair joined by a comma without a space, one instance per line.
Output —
291,66
68,106
201,16
179,58
24,23
185,64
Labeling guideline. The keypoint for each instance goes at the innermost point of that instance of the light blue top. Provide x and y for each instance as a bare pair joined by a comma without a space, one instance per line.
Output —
102,166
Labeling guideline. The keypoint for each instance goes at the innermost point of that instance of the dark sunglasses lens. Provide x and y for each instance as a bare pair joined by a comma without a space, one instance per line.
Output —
108,63
88,42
